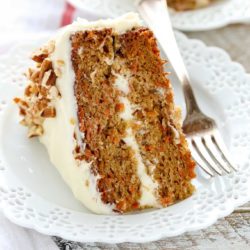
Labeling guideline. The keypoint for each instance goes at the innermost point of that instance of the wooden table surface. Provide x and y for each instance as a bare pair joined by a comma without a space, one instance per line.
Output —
232,232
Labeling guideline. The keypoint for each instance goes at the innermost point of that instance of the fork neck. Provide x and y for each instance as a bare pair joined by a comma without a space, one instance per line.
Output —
156,16
190,100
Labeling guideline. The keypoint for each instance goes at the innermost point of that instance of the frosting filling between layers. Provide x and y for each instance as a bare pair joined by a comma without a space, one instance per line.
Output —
148,185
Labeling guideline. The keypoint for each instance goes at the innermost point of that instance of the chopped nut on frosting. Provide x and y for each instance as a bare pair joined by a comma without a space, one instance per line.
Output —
36,104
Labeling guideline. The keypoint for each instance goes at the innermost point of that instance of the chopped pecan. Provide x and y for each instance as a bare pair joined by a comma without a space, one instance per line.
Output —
22,111
28,91
17,100
34,107
49,112
45,66
34,75
39,55
44,91
42,53
35,130
52,79
21,103
34,89
45,78
41,104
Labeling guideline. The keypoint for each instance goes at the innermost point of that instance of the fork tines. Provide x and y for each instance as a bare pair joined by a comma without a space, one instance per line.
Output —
210,153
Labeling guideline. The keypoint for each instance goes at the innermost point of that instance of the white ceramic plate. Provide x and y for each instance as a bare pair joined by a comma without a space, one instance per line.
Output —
32,194
216,15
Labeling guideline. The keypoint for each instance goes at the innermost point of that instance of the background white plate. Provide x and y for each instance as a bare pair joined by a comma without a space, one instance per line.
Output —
33,195
216,15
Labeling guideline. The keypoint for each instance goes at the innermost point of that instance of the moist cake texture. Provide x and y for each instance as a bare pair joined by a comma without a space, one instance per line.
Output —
180,5
103,107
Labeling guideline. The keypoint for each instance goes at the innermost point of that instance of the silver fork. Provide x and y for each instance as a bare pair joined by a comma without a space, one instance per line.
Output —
204,139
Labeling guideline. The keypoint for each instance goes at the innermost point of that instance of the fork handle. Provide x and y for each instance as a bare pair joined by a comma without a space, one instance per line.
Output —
156,15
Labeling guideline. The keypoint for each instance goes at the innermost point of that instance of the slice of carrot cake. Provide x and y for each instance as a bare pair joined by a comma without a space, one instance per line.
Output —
100,101
180,5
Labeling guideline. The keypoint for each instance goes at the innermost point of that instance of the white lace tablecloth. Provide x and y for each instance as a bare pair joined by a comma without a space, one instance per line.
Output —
21,18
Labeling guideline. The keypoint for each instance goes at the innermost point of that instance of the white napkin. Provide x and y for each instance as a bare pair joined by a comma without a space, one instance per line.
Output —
20,19
13,237
17,19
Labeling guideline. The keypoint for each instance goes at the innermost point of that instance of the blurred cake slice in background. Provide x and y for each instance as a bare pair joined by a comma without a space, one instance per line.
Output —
180,5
